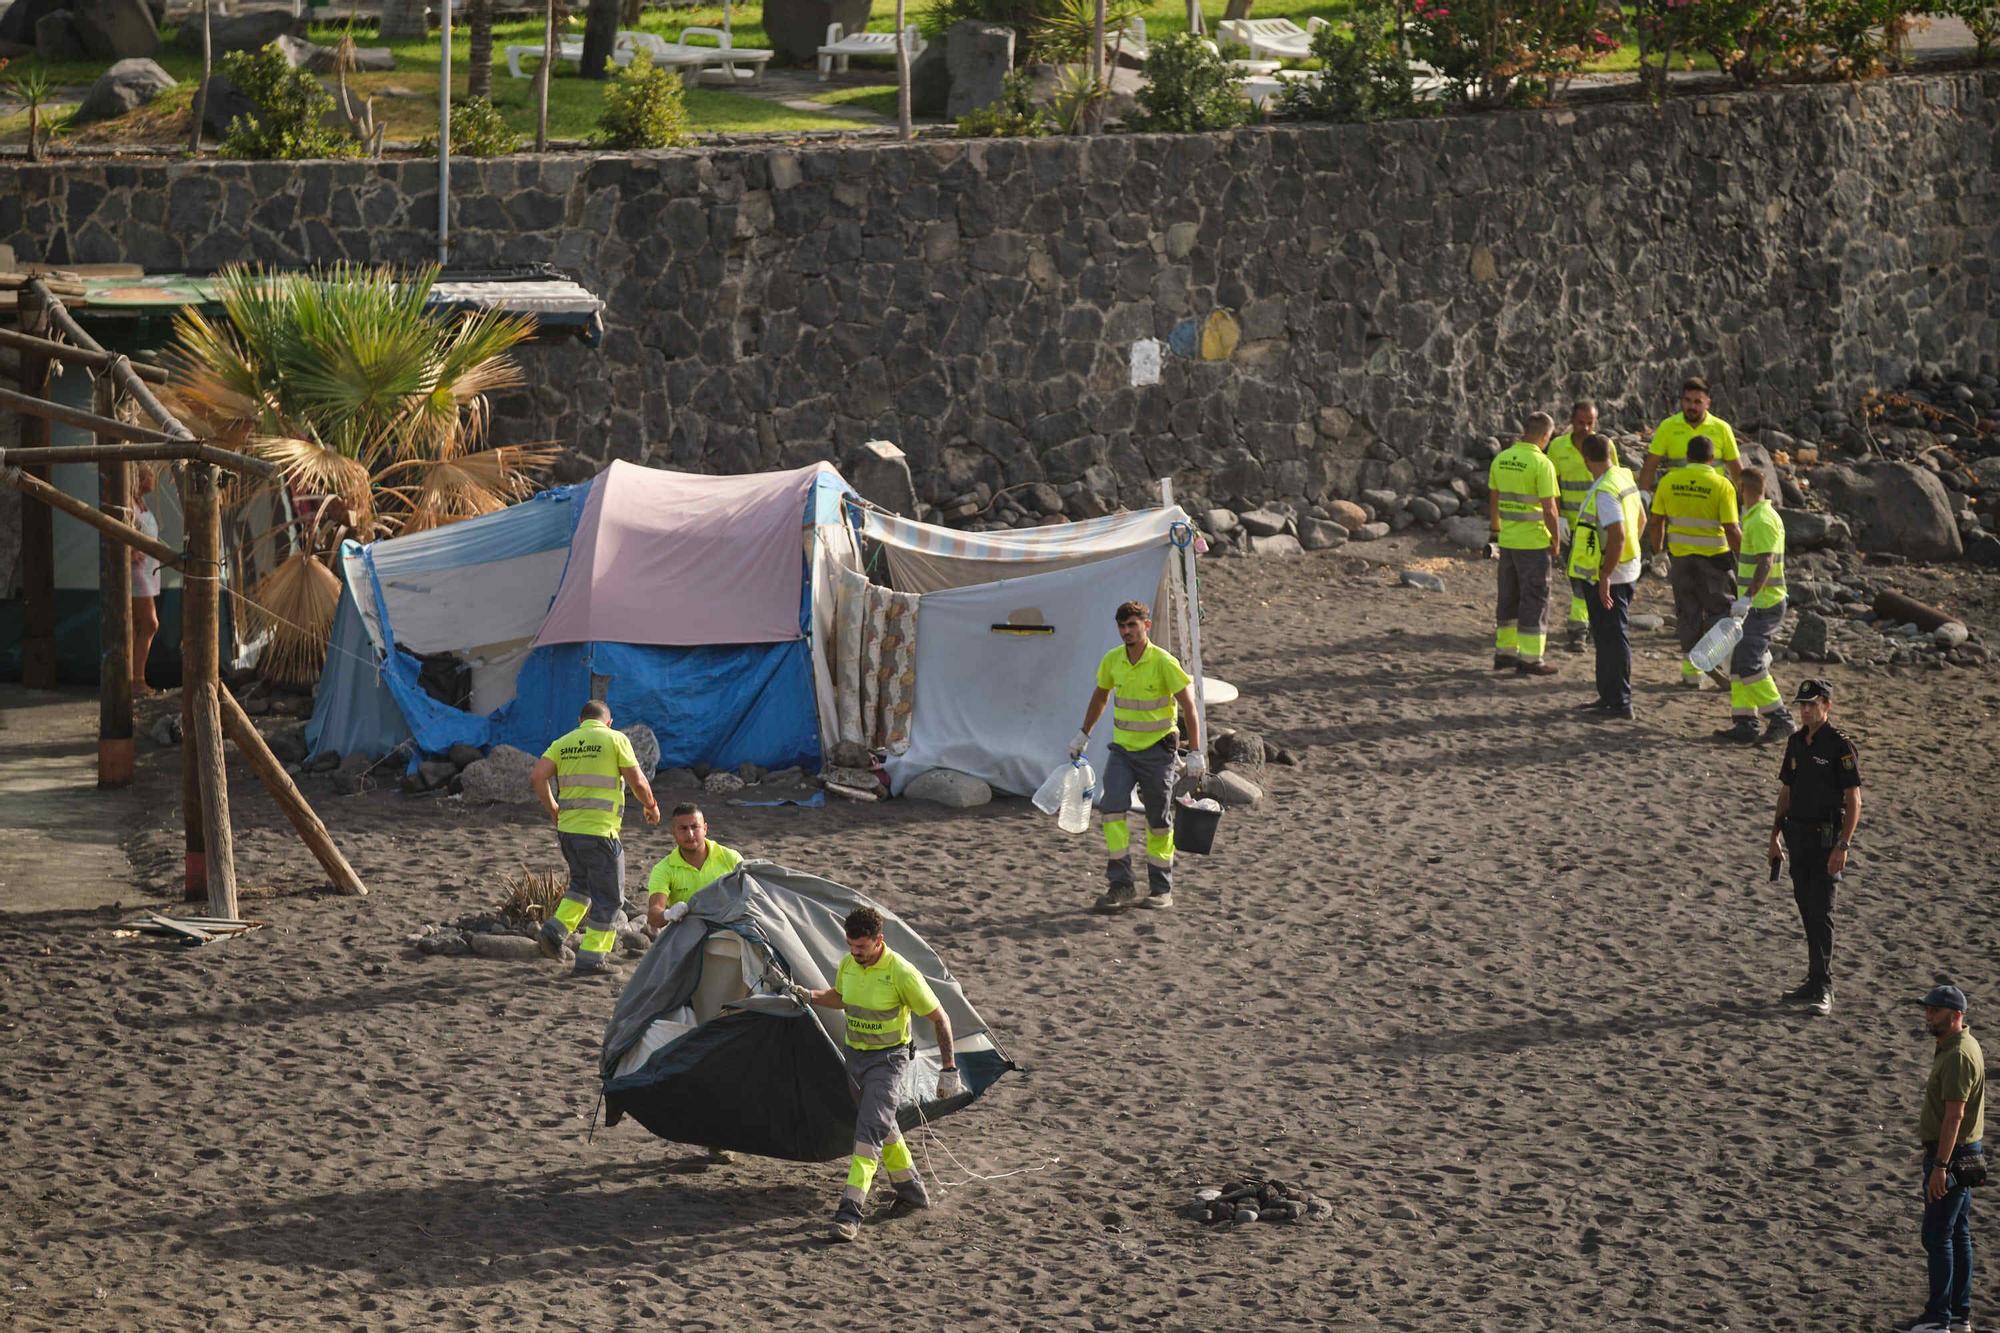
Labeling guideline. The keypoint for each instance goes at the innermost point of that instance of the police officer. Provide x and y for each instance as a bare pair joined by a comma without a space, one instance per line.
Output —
1819,805
879,990
591,767
1951,1123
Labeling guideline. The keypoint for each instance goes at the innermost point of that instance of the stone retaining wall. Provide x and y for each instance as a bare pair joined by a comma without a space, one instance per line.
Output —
1330,308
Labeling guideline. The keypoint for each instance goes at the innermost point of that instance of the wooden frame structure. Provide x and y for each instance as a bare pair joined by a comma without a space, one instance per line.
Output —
209,712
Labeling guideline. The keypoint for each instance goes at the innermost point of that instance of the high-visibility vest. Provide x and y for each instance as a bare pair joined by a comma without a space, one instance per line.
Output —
1584,556
1521,478
590,790
1763,534
1697,501
1572,475
1143,710
878,1000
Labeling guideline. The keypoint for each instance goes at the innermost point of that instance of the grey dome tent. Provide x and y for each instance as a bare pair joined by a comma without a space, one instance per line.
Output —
705,1047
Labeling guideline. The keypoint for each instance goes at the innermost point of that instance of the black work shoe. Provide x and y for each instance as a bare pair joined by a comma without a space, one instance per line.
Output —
1594,706
1573,642
1743,732
1505,661
1778,729
1157,900
1619,713
1821,1000
1799,994
1535,669
1116,898
551,940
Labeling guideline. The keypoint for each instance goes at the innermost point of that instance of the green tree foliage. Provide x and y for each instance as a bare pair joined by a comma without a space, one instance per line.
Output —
1363,72
477,130
291,106
1014,116
646,107
1188,87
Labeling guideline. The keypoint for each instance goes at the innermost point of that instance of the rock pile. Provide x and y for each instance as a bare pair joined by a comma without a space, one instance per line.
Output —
496,936
1244,1201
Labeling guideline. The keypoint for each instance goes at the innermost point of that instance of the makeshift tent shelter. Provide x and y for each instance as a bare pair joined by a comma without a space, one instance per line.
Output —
1010,627
705,1047
682,600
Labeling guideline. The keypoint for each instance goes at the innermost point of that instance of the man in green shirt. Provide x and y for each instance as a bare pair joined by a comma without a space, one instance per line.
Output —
1760,605
1573,478
1670,439
1951,1124
1521,508
590,768
696,862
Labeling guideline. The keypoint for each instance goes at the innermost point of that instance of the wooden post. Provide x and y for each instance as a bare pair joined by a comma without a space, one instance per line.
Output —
201,678
249,743
38,550
114,615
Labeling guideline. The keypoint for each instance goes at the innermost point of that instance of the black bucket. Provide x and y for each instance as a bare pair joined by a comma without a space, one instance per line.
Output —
1194,829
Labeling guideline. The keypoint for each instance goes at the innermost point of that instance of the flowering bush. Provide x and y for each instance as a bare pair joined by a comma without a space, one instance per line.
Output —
1982,16
1755,40
1362,72
1493,51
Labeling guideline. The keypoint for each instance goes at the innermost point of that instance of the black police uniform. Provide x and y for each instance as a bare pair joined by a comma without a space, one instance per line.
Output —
1818,769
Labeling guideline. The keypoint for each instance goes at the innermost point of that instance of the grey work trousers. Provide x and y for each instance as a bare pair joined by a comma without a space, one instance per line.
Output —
1153,771
1704,586
597,880
1524,597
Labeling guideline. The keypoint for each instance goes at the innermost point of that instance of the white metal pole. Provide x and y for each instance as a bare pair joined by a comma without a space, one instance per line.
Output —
444,134
1193,614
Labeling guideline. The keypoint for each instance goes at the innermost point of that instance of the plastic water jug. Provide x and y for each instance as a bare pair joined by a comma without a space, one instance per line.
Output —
1718,645
1066,794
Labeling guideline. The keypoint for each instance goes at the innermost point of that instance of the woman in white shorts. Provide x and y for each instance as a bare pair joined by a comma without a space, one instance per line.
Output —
145,579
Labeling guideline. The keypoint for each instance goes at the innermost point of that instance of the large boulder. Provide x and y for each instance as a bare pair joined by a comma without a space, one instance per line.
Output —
245,30
1810,530
18,20
881,473
645,748
124,87
796,29
116,29
1756,458
930,81
979,56
222,104
56,38
501,776
1894,507
948,787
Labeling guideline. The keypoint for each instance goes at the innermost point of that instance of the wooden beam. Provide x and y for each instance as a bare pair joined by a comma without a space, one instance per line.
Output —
36,406
92,356
36,489
201,681
115,756
38,550
166,451
249,742
195,846
122,373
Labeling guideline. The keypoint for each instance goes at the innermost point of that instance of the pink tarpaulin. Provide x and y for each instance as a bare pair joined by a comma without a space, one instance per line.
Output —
678,559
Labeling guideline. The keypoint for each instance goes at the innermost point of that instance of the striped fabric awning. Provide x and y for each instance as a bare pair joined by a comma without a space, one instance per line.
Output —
1087,539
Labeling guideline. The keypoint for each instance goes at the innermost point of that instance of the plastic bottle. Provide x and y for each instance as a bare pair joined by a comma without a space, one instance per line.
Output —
1718,645
1079,785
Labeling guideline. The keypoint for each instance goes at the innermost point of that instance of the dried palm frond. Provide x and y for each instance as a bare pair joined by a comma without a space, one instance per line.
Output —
532,895
311,467
453,488
295,602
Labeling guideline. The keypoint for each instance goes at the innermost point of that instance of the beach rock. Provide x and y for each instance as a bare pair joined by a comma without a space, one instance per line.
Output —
881,473
1207,1195
501,776
116,29
1898,508
56,37
1263,522
1465,531
860,778
245,30
1383,502
1246,1214
750,773
324,762
633,939
223,103
1238,749
1648,622
676,779
1282,544
1321,534
166,730
1221,522
721,783
506,948
1346,513
1232,789
434,773
463,755
287,742
978,56
1809,530
1417,578
645,747
1809,635
256,705
127,85
1369,532
1446,503
1423,511
1949,635
447,944
944,786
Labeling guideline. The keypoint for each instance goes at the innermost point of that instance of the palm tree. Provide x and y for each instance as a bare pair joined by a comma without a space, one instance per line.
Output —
479,65
362,397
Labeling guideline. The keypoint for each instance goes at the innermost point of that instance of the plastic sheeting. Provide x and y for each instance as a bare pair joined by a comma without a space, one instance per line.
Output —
1002,705
353,711
925,558
677,558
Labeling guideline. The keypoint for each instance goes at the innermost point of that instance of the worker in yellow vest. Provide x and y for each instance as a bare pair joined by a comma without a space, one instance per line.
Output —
1760,605
879,990
1153,703
1521,492
1572,480
1670,439
1694,521
696,862
1605,558
590,768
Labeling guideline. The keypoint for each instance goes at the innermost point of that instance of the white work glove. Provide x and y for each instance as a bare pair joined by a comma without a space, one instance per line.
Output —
949,1084
1739,608
1195,765
1078,744
803,994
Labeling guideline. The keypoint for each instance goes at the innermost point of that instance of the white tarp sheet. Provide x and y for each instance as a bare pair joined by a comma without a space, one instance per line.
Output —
924,558
1003,704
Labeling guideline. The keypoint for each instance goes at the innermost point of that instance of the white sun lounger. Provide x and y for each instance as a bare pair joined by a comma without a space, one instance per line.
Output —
715,53
1272,39
841,45
571,49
